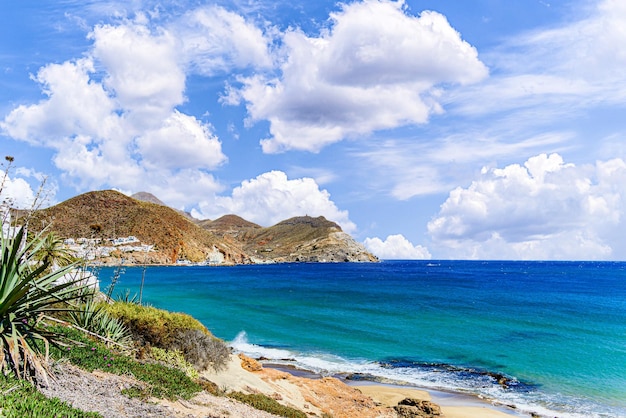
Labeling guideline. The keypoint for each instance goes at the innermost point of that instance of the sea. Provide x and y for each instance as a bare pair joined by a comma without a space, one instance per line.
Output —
537,337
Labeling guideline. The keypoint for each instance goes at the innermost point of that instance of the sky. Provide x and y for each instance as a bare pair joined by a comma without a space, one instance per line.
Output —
427,129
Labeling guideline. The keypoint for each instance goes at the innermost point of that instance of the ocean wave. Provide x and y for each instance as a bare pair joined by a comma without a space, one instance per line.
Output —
491,386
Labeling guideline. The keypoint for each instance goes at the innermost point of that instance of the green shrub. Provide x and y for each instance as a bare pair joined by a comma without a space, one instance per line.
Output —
265,403
202,350
174,359
20,399
172,331
152,326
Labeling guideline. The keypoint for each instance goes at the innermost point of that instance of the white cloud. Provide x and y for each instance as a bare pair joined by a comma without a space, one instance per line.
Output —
17,192
396,247
375,68
74,105
143,68
587,48
546,209
216,40
112,121
271,197
25,188
182,141
407,168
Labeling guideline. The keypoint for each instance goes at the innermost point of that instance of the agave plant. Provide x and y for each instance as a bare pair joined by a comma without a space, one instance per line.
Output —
94,318
28,290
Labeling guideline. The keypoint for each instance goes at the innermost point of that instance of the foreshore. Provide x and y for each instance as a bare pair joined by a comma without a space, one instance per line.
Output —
317,395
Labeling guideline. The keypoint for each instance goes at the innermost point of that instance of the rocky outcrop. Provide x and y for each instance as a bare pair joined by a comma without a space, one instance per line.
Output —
417,408
303,239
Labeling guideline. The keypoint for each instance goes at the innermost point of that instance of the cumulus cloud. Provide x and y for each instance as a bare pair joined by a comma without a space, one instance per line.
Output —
271,197
111,117
545,209
74,105
17,192
375,68
182,142
396,247
216,40
25,188
143,69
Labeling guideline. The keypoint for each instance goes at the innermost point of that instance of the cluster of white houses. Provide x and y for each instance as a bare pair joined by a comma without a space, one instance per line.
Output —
93,248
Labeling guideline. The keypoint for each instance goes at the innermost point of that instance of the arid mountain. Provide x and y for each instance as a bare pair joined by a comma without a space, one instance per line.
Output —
303,239
228,224
149,197
107,215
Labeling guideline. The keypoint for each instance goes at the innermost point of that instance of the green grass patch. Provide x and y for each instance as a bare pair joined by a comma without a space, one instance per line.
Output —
162,381
19,399
265,403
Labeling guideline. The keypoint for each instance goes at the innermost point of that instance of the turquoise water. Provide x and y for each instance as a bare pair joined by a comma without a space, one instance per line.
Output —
555,330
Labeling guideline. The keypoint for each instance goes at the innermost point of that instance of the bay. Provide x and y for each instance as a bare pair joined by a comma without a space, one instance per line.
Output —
555,332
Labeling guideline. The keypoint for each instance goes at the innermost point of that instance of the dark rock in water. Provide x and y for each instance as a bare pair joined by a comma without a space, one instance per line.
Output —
412,408
500,378
361,377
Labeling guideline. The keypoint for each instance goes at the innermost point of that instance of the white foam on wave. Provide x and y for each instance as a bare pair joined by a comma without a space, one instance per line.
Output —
326,364
241,344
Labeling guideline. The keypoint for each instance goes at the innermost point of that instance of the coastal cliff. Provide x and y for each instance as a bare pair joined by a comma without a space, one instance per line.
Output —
112,228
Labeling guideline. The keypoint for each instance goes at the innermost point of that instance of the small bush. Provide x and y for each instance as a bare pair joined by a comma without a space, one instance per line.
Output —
172,331
210,387
265,403
174,359
152,326
201,350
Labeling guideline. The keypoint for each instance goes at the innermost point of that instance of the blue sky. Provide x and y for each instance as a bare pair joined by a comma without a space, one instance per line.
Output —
476,129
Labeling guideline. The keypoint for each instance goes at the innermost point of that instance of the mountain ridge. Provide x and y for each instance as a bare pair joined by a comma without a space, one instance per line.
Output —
174,236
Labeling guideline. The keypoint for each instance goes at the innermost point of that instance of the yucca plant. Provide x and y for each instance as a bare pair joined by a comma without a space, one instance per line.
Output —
28,291
96,319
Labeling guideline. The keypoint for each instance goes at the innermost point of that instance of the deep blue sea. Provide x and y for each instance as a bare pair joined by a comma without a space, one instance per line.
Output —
555,330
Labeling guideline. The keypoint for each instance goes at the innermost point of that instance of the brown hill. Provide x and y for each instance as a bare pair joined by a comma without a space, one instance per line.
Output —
149,197
228,224
298,239
109,214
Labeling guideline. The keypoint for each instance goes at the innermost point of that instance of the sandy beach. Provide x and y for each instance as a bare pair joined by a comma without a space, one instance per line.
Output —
456,406
332,396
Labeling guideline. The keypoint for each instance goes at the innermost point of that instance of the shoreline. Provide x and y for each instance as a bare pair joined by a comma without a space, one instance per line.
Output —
318,395
453,404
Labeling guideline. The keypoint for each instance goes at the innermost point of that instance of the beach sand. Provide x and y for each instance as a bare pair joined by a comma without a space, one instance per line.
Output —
391,395
317,396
